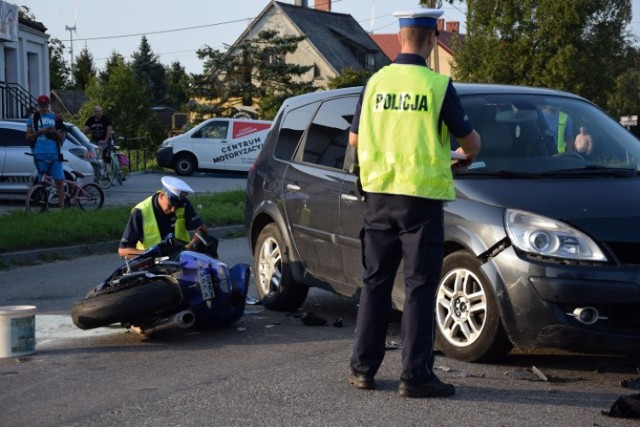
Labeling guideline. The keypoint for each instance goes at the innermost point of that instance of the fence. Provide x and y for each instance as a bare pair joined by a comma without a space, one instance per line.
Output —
141,157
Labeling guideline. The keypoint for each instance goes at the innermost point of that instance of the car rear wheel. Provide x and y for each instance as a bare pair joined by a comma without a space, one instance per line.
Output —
275,285
185,165
469,327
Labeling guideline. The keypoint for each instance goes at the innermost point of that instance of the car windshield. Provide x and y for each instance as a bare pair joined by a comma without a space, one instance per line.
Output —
542,135
77,133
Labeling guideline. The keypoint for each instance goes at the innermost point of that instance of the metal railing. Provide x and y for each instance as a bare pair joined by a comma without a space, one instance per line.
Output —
15,101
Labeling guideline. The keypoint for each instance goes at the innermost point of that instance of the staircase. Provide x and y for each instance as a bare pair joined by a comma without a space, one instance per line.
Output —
15,101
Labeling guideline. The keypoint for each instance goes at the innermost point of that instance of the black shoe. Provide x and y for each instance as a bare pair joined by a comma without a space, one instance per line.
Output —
361,381
431,388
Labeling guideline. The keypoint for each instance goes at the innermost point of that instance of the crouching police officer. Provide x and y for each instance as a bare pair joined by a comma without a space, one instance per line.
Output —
166,211
401,131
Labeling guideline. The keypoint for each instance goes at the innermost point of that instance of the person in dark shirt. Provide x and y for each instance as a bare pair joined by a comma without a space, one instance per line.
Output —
100,127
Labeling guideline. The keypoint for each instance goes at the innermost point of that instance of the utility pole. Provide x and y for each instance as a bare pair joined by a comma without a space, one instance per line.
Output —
373,15
71,30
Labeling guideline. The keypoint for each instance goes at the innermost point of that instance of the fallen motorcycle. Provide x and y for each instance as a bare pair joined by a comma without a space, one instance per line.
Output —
168,287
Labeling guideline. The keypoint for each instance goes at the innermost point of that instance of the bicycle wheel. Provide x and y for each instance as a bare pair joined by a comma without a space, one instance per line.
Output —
37,199
90,197
106,177
117,170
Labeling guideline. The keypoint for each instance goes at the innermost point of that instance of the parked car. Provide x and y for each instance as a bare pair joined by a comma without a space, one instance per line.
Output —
75,134
542,243
17,170
215,144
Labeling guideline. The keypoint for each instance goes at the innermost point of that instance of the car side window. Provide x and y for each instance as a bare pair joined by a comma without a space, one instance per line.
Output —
215,130
292,129
328,136
13,138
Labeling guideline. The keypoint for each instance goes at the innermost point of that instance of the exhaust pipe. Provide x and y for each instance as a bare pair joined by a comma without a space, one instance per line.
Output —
181,320
587,315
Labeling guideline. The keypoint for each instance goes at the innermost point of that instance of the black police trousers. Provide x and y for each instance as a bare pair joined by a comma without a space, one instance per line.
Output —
399,228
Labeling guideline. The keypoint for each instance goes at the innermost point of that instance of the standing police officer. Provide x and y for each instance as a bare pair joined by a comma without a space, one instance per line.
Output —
401,131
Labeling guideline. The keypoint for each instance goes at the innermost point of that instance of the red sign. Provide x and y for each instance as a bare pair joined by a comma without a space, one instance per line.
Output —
241,128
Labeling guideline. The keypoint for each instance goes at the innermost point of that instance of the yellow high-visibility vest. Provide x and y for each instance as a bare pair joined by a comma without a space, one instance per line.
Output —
400,149
150,228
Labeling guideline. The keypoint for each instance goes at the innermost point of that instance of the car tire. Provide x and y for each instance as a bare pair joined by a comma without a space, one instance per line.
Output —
185,164
274,282
469,327
100,308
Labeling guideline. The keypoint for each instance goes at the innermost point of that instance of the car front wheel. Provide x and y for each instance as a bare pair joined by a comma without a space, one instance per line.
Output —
275,285
185,165
469,327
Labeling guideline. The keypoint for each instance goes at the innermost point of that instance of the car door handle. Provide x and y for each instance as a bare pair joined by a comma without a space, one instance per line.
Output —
293,187
349,197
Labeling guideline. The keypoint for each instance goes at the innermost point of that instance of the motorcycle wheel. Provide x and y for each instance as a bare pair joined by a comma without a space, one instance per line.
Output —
100,308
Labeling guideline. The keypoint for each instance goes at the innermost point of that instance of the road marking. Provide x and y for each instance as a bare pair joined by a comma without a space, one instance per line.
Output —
53,328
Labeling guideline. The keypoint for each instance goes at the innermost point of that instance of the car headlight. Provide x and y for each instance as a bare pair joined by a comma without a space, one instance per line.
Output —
79,152
547,237
167,144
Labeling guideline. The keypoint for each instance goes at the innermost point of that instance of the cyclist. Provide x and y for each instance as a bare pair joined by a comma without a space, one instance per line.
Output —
45,134
101,131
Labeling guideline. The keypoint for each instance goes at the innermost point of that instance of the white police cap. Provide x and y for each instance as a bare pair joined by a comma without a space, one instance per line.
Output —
176,189
419,17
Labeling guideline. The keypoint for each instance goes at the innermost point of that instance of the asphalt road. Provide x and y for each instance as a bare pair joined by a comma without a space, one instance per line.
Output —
268,369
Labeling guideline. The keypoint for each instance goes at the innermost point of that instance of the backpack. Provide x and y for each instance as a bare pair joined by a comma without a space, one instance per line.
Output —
625,407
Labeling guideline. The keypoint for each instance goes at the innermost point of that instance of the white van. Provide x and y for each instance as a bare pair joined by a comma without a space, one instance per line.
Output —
215,144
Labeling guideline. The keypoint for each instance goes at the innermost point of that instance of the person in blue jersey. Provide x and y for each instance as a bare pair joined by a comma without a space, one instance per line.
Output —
45,135
401,131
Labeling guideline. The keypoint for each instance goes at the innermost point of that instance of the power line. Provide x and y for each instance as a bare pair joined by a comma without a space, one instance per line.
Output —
161,32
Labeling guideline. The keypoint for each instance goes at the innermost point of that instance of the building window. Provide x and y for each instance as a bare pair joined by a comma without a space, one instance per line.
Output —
369,61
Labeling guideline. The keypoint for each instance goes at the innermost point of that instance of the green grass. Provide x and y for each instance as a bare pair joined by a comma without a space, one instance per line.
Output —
21,230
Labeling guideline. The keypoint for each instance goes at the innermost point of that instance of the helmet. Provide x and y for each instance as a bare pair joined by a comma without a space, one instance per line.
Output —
43,100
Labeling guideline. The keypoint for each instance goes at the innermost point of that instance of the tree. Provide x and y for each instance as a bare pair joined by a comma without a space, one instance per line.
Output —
350,77
149,71
126,102
177,86
85,71
578,46
114,61
255,71
59,71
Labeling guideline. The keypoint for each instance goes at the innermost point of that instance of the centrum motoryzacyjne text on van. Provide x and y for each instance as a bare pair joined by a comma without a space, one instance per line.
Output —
239,149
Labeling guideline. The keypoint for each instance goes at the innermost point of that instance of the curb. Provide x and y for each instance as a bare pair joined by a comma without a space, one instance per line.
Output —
37,256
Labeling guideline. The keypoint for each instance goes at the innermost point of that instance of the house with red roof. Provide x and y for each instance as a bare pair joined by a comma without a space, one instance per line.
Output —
441,57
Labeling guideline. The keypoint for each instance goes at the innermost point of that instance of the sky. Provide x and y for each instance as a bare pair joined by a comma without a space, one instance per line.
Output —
176,29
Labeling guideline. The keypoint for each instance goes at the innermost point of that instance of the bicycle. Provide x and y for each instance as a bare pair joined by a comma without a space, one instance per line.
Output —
44,194
111,170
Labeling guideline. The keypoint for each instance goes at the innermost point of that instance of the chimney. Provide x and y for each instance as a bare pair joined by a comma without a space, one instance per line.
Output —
453,27
323,5
302,3
440,24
